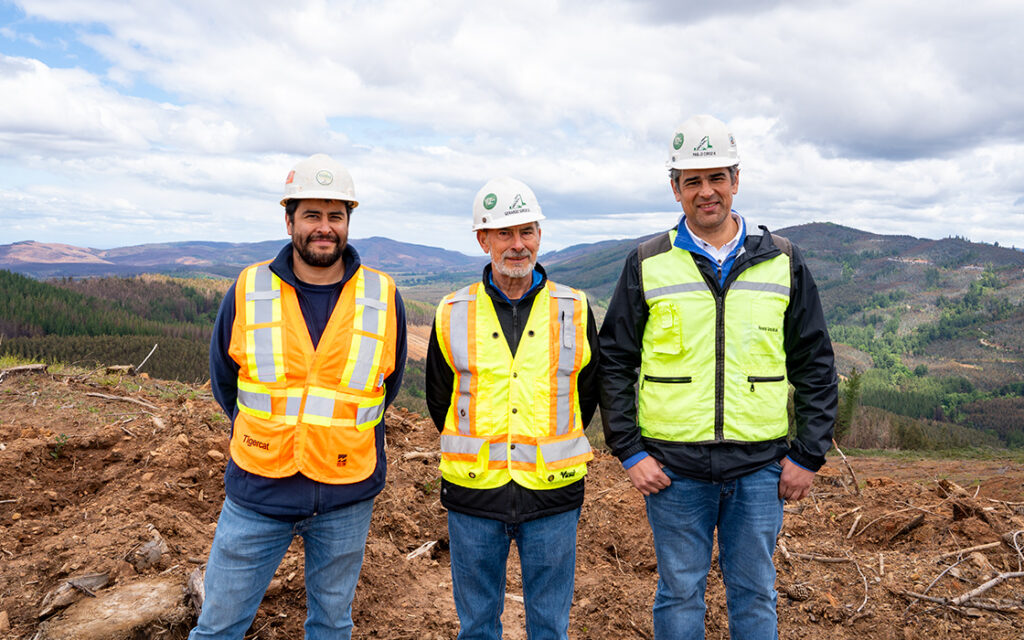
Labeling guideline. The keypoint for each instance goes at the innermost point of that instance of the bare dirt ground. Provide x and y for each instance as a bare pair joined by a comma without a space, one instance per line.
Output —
129,494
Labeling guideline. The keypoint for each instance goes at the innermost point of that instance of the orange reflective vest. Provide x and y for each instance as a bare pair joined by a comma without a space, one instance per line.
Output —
514,418
305,410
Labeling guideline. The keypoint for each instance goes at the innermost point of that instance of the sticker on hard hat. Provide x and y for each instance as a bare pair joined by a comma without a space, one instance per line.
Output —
324,177
677,142
490,200
291,177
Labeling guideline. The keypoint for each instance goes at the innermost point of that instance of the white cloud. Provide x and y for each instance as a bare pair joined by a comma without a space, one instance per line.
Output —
889,116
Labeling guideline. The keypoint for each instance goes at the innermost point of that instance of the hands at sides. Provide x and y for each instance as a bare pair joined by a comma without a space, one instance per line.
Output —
647,476
795,481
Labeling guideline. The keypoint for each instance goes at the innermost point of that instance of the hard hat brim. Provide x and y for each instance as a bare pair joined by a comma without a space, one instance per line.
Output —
501,224
319,195
713,162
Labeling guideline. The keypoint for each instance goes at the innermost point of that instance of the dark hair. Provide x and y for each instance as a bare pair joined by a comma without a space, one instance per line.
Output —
733,170
291,206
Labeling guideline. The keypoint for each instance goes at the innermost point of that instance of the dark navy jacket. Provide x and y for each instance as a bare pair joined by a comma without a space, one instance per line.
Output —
297,496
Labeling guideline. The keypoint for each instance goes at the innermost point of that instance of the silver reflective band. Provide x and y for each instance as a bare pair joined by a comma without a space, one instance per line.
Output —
555,451
321,407
460,355
498,451
525,453
254,400
461,444
762,286
675,288
566,360
263,353
292,405
370,302
372,414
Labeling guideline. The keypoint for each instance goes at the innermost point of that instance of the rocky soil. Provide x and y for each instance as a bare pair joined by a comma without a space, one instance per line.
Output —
110,486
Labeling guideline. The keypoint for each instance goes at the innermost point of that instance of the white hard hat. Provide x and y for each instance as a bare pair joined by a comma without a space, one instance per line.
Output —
504,202
702,142
319,177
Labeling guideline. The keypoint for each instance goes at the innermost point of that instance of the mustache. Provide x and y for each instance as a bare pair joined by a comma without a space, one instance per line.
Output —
322,236
512,253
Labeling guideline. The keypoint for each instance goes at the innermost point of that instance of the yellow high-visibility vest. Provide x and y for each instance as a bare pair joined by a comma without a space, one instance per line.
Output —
514,418
305,410
711,374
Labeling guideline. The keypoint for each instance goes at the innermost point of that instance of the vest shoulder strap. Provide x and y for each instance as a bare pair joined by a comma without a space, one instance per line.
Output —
652,247
784,245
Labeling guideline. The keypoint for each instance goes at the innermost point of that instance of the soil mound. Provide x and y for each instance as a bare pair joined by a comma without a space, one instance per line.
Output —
111,485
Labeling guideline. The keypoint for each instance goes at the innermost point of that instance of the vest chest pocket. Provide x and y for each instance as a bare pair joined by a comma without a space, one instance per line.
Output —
665,327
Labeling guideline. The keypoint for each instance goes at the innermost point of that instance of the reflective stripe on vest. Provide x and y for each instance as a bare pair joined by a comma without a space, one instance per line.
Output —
707,377
303,407
531,422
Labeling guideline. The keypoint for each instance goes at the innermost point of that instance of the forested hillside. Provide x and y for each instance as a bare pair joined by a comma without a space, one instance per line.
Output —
927,332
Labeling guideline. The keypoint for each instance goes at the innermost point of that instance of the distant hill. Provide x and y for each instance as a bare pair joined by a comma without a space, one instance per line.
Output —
47,260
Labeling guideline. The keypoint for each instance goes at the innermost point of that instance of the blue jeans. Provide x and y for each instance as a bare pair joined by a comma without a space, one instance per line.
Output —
547,557
748,515
247,549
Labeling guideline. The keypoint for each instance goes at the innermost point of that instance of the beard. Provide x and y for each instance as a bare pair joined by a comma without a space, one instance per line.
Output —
319,258
515,272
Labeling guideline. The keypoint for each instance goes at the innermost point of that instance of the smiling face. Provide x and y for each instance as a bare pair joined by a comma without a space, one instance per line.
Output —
706,196
319,231
513,250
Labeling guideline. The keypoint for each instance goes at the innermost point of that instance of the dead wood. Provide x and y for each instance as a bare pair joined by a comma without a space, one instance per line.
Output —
121,369
421,455
196,590
856,484
914,523
959,600
123,399
71,590
980,547
853,527
817,558
139,366
25,368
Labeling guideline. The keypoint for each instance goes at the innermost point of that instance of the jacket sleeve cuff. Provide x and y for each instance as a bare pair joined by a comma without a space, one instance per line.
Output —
633,459
804,461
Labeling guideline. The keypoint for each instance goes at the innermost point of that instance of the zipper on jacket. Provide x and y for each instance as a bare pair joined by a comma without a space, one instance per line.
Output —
754,379
719,365
667,379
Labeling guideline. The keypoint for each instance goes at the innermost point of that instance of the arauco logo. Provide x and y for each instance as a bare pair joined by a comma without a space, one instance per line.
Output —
677,142
324,177
490,200
517,203
704,144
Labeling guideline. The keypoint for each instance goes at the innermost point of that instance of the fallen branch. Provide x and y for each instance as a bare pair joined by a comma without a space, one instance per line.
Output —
22,369
856,485
862,577
980,547
959,600
123,399
139,366
947,603
817,558
423,548
420,455
853,527
910,526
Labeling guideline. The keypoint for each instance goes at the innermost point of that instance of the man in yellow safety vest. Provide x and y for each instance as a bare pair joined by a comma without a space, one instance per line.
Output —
307,353
511,384
715,320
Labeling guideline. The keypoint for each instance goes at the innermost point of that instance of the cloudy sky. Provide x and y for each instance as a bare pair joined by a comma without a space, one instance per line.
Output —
128,123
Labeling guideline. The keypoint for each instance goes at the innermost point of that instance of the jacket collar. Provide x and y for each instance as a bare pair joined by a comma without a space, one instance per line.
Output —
498,296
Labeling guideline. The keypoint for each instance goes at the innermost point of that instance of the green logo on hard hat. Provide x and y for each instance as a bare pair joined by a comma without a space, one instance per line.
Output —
324,177
704,145
518,203
677,142
490,200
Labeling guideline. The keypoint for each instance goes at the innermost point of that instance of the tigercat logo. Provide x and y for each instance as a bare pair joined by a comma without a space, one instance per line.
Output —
342,459
568,474
252,442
